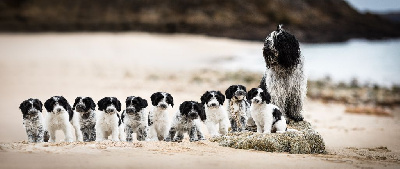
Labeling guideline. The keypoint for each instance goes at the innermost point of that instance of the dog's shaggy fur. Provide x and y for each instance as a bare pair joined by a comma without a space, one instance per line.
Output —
108,121
216,113
187,119
284,77
238,107
59,117
85,117
267,117
33,120
159,120
135,118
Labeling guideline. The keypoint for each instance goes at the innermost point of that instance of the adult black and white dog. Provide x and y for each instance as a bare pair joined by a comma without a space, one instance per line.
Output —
135,118
267,116
284,77
85,117
33,120
108,121
238,107
159,119
187,120
216,113
59,117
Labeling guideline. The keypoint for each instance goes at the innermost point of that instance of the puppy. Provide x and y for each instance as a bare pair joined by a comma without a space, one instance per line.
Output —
284,77
108,121
33,120
213,102
135,118
85,118
59,117
159,120
187,119
238,107
266,116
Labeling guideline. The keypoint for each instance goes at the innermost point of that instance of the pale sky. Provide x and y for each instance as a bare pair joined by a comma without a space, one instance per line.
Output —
380,6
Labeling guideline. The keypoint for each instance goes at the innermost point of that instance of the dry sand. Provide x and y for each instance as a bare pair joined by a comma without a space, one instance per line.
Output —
104,64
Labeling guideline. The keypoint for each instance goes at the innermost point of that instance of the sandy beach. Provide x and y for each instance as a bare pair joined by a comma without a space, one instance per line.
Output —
125,64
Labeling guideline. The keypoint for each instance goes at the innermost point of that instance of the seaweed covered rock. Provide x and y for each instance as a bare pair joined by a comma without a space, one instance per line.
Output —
305,141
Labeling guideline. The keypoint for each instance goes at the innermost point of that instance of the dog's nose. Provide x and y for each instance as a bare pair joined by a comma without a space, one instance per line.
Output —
58,109
164,106
213,104
256,100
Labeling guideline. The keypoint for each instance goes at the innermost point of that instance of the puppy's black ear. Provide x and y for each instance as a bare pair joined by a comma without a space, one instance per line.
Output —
24,107
76,102
143,103
92,104
266,96
204,98
202,112
49,104
127,101
230,91
67,106
185,107
118,104
154,100
220,98
251,94
170,100
101,104
39,104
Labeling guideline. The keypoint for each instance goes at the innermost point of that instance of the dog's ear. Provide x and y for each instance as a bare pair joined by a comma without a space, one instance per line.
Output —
24,107
102,104
92,104
49,104
266,96
128,99
220,98
202,112
38,104
170,100
185,107
155,98
67,106
205,97
76,102
118,104
251,94
143,102
230,91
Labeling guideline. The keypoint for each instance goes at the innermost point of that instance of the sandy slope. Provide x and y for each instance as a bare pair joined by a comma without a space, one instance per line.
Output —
119,65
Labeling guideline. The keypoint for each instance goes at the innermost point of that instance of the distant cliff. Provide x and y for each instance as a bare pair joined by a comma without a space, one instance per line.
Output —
309,20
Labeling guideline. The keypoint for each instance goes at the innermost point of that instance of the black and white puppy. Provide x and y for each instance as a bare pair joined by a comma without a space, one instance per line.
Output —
59,117
159,119
85,118
216,113
33,120
135,118
238,107
108,121
284,77
267,116
187,120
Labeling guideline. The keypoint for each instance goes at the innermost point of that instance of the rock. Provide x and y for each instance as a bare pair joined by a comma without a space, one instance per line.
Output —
305,141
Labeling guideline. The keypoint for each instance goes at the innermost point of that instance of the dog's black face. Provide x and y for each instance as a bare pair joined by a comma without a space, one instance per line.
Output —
258,96
162,100
237,91
135,104
109,105
281,48
212,99
30,107
192,110
84,104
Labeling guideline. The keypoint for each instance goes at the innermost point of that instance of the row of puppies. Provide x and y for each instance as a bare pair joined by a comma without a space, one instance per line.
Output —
92,126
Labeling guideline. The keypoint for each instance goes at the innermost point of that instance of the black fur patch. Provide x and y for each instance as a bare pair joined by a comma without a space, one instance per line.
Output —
119,119
191,106
107,101
136,102
26,105
87,101
50,103
277,115
208,95
230,92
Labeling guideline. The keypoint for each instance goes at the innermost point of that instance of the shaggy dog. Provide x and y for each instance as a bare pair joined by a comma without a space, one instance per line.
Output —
284,78
33,120
108,121
85,117
135,118
187,119
267,116
238,107
159,120
216,113
59,117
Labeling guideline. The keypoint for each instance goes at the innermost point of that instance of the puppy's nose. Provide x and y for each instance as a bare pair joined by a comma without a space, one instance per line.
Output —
256,100
163,106
213,104
58,109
